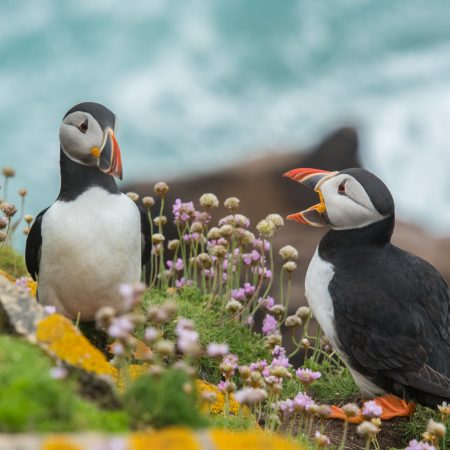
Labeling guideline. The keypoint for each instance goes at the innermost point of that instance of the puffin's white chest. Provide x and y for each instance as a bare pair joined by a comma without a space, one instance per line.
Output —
318,277
89,247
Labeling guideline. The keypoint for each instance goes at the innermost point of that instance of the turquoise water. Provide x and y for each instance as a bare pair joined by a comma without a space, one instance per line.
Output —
199,84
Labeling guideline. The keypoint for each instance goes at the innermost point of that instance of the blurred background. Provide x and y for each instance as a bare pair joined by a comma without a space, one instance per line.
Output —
200,85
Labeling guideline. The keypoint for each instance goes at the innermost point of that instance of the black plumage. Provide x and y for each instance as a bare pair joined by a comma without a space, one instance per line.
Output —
391,312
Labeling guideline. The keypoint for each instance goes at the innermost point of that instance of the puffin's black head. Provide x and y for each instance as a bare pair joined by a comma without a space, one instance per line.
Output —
351,198
87,137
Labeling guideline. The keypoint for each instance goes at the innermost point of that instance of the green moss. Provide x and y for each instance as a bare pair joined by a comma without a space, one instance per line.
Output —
12,262
170,399
31,400
233,423
213,326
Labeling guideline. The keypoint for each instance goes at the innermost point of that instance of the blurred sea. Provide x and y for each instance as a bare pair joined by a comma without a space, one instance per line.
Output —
201,84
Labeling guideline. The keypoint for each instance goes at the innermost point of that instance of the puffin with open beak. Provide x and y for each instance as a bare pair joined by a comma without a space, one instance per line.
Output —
93,238
386,311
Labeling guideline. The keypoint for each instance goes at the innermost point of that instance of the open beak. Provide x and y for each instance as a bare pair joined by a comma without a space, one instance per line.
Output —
110,161
315,215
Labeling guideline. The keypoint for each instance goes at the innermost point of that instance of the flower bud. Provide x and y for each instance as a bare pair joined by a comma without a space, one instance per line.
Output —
161,188
160,221
148,201
158,238
23,192
3,223
436,429
8,172
204,260
233,306
367,429
28,218
173,244
226,231
133,196
214,234
209,201
290,266
231,203
304,312
276,219
164,347
218,250
245,371
278,310
351,410
265,228
9,209
288,252
304,343
2,236
293,321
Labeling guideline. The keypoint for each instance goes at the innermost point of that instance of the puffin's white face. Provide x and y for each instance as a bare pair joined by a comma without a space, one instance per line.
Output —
347,203
81,138
349,199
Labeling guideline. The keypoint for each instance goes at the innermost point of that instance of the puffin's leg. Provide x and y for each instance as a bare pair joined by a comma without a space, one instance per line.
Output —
392,407
395,407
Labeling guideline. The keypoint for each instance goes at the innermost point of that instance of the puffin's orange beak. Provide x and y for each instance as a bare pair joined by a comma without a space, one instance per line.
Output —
110,159
315,215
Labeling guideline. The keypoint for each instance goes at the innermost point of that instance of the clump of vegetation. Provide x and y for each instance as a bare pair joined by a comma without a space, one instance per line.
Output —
33,400
170,398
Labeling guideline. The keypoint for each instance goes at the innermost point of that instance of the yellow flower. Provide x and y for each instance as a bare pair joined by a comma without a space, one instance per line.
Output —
250,440
59,443
218,406
60,337
167,439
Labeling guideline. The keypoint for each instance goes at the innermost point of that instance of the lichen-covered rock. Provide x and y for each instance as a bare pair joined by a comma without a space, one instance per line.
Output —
19,312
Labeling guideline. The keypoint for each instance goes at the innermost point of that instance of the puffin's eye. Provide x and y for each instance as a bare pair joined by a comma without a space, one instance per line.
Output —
84,126
341,188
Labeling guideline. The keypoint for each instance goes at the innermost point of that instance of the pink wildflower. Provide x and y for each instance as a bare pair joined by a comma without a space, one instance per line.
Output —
307,376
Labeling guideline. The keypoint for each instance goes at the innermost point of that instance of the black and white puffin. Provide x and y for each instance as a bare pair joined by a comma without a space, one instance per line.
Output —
385,310
93,238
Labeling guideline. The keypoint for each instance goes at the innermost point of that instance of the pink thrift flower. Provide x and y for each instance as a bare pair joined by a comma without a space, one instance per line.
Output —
270,325
215,349
371,409
307,376
49,309
415,445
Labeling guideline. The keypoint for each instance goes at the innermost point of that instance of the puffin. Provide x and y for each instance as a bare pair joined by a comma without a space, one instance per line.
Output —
385,310
93,238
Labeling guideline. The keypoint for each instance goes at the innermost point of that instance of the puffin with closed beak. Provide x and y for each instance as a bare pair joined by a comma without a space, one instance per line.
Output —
92,238
386,311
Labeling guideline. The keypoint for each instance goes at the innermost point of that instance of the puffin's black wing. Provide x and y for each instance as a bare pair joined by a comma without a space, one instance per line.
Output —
394,327
145,236
33,247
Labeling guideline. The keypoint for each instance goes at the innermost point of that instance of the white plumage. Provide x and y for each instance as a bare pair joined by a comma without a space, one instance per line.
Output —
89,247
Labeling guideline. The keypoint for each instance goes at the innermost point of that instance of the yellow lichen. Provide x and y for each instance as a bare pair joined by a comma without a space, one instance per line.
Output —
167,439
59,336
7,276
59,443
31,284
218,406
250,440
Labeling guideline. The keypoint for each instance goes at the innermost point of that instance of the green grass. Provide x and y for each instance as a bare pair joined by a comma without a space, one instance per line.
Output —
12,262
417,424
213,326
169,399
31,400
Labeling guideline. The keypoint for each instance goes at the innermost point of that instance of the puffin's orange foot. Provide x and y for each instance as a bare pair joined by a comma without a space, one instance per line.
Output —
392,407
395,407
